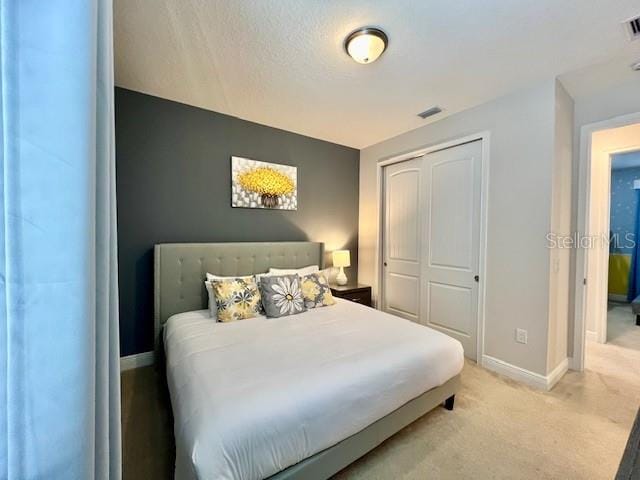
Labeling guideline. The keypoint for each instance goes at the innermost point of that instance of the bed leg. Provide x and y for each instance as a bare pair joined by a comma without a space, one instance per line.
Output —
638,320
448,403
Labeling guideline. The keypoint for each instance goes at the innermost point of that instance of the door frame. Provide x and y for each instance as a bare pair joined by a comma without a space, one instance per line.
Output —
484,137
582,259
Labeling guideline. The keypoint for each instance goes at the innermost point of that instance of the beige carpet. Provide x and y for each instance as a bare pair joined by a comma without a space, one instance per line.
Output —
499,429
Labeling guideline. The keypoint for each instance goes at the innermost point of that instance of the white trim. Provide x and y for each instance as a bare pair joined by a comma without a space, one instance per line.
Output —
572,363
135,361
557,373
584,186
432,148
484,227
591,336
516,373
485,138
602,256
536,380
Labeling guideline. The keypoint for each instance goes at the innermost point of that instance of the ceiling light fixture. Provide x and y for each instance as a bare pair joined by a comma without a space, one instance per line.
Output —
366,44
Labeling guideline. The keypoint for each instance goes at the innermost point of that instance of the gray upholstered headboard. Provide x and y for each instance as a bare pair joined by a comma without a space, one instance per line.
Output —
180,269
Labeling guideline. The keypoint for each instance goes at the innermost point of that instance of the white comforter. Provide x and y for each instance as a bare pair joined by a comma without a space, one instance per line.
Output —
253,397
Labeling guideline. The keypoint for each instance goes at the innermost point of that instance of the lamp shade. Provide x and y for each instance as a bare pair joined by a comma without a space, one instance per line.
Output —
341,258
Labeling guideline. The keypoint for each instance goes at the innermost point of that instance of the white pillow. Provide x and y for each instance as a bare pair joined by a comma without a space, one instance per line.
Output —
291,271
258,276
213,306
328,273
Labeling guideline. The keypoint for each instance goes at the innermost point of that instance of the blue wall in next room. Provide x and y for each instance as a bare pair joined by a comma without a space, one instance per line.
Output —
624,205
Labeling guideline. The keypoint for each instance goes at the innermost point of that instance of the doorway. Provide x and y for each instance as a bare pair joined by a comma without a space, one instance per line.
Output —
604,257
432,241
622,326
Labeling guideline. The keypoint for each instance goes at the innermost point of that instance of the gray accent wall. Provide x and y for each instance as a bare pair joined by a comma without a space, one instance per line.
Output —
174,185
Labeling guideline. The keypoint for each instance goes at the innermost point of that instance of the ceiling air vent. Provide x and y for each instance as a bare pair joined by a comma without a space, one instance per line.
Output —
633,27
431,111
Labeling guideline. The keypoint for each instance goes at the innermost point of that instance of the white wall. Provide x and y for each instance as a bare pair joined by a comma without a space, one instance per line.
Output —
522,149
615,100
560,280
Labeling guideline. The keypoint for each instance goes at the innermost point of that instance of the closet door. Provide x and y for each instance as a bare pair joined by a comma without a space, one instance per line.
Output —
402,238
451,239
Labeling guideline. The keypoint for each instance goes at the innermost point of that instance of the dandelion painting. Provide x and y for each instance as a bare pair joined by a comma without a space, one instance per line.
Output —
257,184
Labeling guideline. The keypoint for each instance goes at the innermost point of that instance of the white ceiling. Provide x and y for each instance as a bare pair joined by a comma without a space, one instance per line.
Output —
615,71
281,62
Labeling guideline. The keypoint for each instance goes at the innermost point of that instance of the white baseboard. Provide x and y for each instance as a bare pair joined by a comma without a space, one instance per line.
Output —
543,382
591,336
557,373
135,361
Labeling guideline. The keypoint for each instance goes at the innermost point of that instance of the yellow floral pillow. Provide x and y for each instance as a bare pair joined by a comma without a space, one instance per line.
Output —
316,291
236,299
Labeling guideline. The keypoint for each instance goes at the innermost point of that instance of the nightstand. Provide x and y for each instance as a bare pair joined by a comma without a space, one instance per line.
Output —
353,292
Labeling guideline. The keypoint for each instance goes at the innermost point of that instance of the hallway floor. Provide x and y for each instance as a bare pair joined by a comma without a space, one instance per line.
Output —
622,330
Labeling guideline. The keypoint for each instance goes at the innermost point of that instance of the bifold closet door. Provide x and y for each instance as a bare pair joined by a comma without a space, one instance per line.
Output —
402,234
451,239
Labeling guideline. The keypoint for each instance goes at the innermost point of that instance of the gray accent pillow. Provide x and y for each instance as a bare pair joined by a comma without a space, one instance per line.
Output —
316,291
282,295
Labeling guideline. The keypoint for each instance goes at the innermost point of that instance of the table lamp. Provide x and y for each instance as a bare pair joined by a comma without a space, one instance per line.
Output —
341,258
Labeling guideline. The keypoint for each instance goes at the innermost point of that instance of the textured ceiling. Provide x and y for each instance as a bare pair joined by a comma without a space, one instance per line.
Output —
615,71
282,63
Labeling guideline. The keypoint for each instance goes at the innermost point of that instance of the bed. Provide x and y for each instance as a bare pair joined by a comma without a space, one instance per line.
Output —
297,397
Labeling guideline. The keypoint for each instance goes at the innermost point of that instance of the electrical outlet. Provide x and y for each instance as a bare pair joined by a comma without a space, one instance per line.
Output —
521,335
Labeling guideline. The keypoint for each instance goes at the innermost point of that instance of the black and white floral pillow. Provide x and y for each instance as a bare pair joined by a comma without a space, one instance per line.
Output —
282,295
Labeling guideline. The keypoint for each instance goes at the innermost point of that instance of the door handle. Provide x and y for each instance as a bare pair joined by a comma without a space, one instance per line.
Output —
385,264
476,278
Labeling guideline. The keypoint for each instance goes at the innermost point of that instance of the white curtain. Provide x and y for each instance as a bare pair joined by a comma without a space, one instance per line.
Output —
59,352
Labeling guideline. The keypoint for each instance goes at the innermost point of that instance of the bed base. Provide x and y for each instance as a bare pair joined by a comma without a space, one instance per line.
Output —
179,271
328,462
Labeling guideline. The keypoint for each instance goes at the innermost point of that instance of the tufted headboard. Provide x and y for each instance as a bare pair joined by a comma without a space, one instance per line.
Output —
180,269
